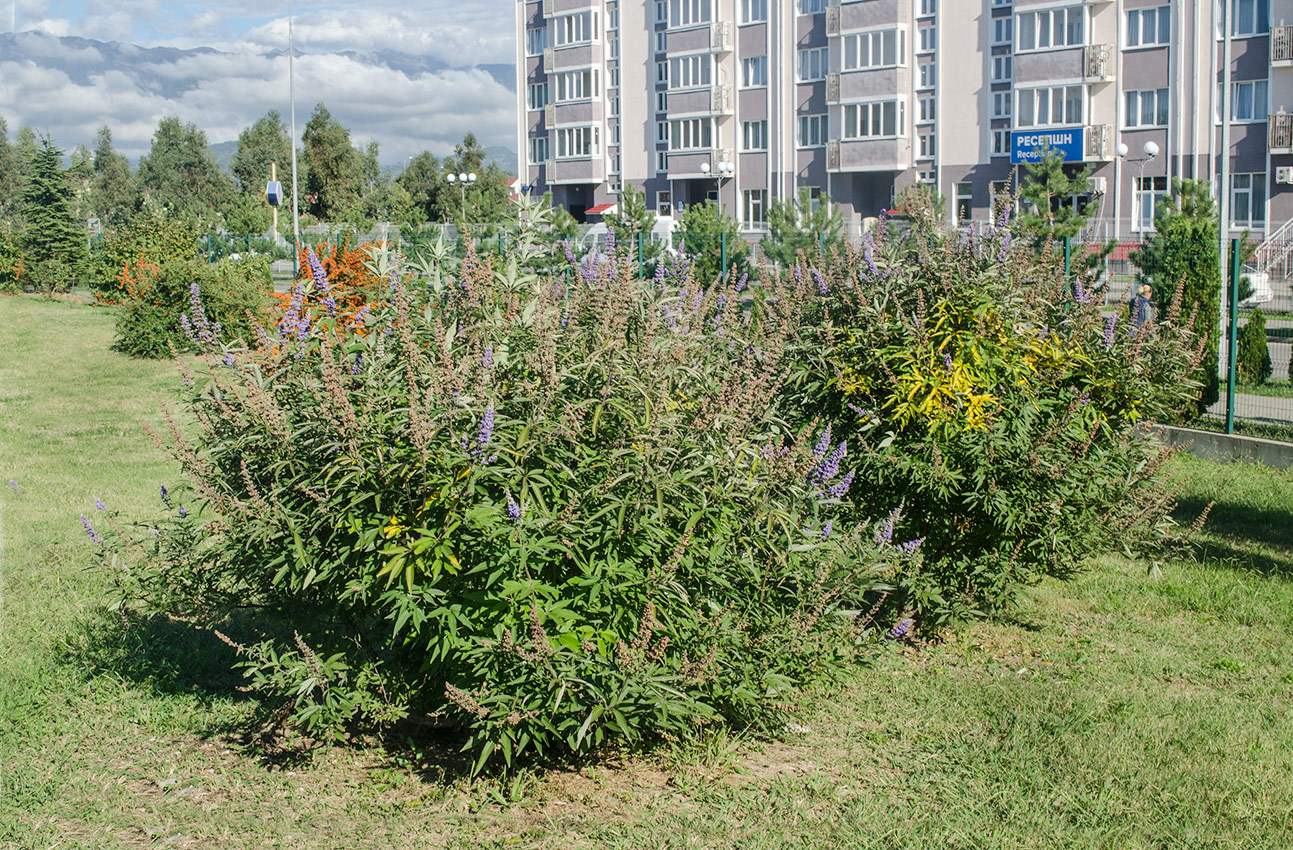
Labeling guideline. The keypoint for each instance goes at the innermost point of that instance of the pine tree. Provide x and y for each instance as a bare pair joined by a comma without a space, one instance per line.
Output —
53,241
333,180
1184,251
800,225
10,183
704,233
1253,358
179,171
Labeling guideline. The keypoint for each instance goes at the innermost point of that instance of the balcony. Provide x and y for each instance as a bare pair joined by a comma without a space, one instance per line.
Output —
883,154
832,21
1099,143
548,59
550,115
720,37
721,100
591,169
1097,63
832,87
1280,132
1281,46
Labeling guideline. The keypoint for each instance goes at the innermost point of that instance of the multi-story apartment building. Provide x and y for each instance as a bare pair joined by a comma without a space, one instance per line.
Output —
747,101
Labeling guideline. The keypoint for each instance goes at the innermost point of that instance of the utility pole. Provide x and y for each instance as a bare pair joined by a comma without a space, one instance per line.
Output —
273,178
291,86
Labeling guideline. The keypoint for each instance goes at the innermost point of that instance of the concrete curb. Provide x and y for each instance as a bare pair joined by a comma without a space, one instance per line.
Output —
1229,447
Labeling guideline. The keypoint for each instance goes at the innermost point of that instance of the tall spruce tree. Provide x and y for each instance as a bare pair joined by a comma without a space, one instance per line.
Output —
1184,251
53,240
803,224
1049,212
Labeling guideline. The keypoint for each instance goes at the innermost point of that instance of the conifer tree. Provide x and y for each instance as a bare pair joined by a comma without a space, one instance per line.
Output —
53,241
114,191
1049,212
10,183
799,225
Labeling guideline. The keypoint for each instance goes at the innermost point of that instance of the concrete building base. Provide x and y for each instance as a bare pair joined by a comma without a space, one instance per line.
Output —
1229,447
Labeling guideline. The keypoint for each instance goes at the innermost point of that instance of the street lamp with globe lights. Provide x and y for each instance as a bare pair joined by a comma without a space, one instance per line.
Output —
1150,150
462,180
725,170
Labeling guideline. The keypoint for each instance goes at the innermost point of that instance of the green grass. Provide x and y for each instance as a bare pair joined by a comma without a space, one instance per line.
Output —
1273,388
1137,706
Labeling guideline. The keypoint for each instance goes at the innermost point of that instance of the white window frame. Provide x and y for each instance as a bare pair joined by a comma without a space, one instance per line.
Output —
574,28
890,41
536,34
1037,99
1003,30
1160,29
1243,25
1143,215
811,7
578,142
1041,30
1134,105
577,85
928,107
928,75
535,144
754,135
1259,94
928,40
925,145
812,131
1002,104
754,208
859,119
999,142
808,59
690,134
928,7
537,98
662,132
661,162
664,202
754,72
691,71
754,11
1253,189
690,13
1003,68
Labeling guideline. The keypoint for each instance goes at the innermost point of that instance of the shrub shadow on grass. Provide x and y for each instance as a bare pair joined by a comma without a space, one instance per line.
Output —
1259,539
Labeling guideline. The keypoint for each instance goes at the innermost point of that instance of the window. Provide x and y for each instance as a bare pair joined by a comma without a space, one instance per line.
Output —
1248,200
1248,101
1146,108
613,48
662,132
615,164
684,13
691,133
927,108
662,12
691,71
927,76
927,39
875,49
928,7
1050,107
615,107
662,72
753,11
538,150
812,131
755,207
1001,101
615,133
964,202
662,42
1002,69
754,135
663,203
538,95
574,29
1003,30
996,4
1250,17
1001,143
1051,28
661,163
1149,27
1149,191
754,71
813,63
926,177
661,101
575,85
926,145
811,7
615,78
536,41
577,142
877,119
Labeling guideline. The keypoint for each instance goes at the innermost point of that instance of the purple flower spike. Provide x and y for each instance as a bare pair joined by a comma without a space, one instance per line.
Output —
911,546
1108,331
824,444
183,513
900,629
884,535
98,504
947,360
822,287
94,536
487,359
1080,292
13,485
740,284
840,488
166,496
514,511
826,530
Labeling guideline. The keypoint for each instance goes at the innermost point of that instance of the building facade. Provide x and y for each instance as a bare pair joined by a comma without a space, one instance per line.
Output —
748,101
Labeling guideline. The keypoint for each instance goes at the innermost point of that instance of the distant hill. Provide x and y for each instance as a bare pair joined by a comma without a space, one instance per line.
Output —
504,158
223,153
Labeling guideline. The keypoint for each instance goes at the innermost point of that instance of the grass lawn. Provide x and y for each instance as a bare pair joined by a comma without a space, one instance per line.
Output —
1137,706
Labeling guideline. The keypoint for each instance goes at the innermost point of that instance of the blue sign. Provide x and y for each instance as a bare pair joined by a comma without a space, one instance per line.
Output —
1027,145
274,193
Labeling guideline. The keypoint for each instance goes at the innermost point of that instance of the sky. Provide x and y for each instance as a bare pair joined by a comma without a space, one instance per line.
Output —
406,109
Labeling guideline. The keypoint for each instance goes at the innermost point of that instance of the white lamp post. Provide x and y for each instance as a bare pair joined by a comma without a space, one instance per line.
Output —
1150,150
462,179
725,170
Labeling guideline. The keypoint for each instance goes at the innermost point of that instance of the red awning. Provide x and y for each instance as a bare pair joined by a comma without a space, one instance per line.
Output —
601,208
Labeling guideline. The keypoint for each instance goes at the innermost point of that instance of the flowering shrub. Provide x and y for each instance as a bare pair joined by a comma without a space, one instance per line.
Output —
158,301
554,512
994,403
154,238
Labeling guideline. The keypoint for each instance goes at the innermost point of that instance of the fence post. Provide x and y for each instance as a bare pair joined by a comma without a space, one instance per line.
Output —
1068,257
722,241
1234,336
641,259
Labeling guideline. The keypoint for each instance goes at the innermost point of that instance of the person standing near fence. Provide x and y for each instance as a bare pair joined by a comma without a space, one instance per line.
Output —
1142,309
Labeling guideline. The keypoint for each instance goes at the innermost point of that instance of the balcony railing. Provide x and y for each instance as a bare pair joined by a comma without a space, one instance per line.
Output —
1281,46
1099,143
721,101
548,59
720,37
833,156
549,115
1097,63
832,88
1280,130
832,21
547,8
